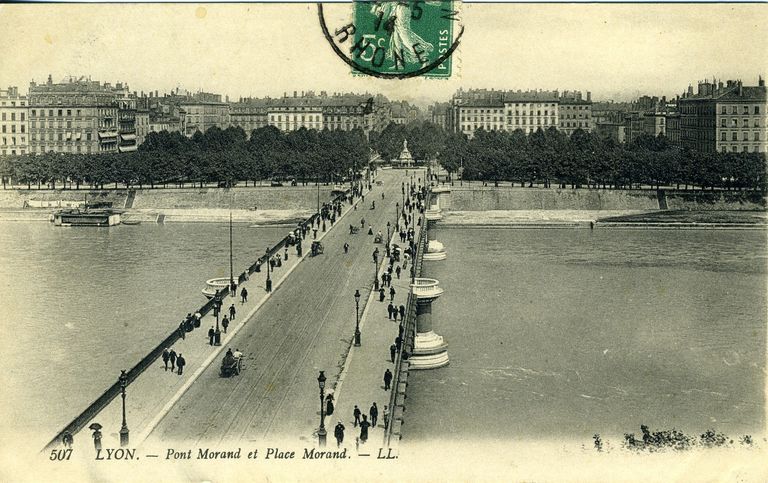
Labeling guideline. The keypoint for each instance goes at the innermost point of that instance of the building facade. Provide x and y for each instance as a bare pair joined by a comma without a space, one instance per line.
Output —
725,118
575,113
142,125
77,116
14,127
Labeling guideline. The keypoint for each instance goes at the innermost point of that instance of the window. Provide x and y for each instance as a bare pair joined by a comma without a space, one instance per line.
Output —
22,127
59,112
757,135
757,109
3,117
733,111
69,112
13,116
723,136
50,112
746,110
722,122
734,136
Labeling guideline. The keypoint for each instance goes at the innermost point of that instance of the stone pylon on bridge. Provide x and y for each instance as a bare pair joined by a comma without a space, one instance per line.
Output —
435,249
430,350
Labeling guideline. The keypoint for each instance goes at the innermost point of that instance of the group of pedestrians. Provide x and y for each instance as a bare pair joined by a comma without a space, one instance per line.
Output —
363,421
177,361
394,311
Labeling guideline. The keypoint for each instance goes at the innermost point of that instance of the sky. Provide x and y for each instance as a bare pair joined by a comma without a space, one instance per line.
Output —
616,51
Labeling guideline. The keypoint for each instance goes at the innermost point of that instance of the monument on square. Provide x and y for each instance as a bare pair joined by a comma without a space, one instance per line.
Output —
405,159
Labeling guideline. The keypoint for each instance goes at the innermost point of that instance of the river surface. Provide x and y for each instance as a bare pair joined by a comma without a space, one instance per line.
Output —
566,333
81,303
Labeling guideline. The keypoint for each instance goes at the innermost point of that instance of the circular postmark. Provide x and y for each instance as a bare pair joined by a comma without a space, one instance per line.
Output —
396,39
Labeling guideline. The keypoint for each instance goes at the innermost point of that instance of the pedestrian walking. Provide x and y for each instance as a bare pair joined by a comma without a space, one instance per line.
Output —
387,379
244,295
166,357
172,358
392,293
285,254
397,271
314,233
182,331
386,417
390,308
364,425
398,342
338,431
329,404
211,335
180,363
392,352
97,439
225,323
402,312
381,295
356,413
232,312
374,412
346,248
400,329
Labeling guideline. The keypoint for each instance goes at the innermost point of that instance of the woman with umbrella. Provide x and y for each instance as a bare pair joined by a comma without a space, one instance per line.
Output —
96,428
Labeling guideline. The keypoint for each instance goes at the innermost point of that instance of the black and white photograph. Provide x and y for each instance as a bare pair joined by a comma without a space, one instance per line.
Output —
413,240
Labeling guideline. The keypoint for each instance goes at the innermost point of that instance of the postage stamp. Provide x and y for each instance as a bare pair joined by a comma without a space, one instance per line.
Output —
397,39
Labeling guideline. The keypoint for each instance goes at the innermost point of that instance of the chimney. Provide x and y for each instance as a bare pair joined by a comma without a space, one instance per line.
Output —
720,86
690,90
741,89
294,94
589,96
50,79
761,81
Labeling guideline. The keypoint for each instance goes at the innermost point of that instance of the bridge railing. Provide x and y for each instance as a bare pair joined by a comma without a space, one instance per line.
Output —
402,365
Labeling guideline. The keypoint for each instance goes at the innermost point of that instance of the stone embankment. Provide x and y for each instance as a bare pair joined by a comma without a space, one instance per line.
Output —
258,205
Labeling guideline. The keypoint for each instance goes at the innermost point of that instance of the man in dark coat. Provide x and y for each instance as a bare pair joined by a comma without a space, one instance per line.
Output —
166,357
172,358
402,312
392,352
232,312
356,413
390,308
374,412
338,431
225,323
211,335
381,295
387,379
243,295
392,293
181,362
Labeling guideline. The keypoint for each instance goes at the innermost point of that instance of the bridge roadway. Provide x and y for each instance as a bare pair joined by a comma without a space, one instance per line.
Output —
307,325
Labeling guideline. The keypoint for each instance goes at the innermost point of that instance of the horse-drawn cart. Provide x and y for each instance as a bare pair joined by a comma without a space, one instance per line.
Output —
231,365
317,248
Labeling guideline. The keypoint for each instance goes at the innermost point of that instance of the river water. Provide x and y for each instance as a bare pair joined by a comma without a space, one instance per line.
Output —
567,333
79,304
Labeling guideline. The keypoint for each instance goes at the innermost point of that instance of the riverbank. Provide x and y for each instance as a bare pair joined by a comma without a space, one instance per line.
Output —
202,215
605,219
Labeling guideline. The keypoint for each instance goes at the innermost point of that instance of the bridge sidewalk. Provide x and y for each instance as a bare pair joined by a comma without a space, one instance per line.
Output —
361,382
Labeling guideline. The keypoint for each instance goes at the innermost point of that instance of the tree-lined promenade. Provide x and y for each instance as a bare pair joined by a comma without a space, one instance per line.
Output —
220,155
547,157
587,160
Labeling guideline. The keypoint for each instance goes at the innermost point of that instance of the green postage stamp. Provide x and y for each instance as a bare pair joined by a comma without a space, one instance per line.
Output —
397,39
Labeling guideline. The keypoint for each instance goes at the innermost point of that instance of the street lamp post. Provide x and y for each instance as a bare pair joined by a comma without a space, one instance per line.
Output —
387,242
403,190
397,213
216,310
124,428
321,432
269,280
357,318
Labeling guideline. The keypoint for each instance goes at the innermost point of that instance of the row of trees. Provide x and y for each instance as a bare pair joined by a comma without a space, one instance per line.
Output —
545,156
218,155
585,159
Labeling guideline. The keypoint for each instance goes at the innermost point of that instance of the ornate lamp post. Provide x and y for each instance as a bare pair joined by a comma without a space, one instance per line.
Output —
124,428
357,318
269,280
321,432
216,310
403,190
397,213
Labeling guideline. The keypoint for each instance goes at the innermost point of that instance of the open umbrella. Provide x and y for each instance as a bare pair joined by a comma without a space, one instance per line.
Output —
95,426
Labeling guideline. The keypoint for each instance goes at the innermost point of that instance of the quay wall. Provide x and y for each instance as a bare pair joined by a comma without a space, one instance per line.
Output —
490,198
260,198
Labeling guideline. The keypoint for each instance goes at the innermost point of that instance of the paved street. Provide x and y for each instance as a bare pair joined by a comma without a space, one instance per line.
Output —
304,327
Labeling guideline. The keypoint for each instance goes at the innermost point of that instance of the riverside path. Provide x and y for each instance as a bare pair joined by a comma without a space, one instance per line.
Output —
306,326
